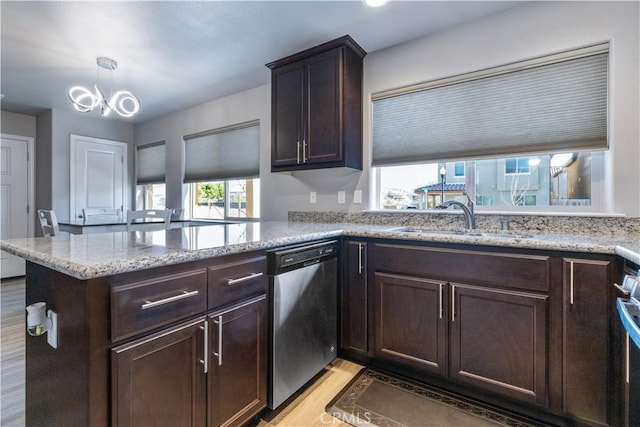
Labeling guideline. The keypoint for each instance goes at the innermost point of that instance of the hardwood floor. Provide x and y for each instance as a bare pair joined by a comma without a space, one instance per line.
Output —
306,410
12,349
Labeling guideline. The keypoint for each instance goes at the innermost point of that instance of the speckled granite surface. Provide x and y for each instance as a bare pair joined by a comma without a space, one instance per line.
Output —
94,255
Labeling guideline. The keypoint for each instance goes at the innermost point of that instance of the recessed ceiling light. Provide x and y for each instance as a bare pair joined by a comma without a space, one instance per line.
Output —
375,3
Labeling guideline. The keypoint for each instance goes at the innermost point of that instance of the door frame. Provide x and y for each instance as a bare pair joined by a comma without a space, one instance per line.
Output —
72,168
31,193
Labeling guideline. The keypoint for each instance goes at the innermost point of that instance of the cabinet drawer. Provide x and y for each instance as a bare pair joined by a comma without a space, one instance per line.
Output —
235,280
147,304
518,271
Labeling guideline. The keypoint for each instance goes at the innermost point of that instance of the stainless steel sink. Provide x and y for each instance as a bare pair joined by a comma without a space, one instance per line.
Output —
418,230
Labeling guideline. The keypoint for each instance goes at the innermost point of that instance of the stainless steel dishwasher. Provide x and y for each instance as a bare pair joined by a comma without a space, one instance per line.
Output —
303,292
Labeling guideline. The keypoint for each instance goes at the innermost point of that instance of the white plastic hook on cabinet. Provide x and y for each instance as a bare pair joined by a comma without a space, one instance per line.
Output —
41,321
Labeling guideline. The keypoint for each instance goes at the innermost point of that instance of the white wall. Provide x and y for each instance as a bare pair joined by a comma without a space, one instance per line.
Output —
17,124
527,31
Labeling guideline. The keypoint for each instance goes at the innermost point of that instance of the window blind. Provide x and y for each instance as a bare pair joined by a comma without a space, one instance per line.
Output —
550,106
151,161
228,153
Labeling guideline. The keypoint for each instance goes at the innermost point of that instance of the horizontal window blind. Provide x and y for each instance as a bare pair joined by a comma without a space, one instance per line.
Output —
228,153
151,162
557,106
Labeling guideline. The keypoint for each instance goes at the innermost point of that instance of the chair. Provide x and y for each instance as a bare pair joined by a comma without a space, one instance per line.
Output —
164,214
176,214
48,222
101,213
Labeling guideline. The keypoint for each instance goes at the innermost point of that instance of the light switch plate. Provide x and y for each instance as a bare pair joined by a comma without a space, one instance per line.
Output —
342,197
312,197
357,196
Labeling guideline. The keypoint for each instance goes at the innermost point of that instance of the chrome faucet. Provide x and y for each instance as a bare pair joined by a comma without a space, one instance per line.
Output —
469,215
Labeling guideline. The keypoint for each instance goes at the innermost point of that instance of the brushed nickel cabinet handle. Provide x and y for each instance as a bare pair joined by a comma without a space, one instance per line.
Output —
205,359
626,358
219,353
571,283
243,279
304,151
440,304
624,292
360,266
183,295
298,152
453,303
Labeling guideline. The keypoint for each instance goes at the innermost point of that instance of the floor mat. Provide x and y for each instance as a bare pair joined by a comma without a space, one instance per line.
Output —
374,399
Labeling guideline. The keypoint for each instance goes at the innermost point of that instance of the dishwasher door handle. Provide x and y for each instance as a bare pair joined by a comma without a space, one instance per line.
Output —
312,262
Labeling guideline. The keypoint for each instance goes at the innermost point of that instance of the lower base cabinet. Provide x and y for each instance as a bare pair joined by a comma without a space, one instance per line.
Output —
207,372
531,328
499,341
237,382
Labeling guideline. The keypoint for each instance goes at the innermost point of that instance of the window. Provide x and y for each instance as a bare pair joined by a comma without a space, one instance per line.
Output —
222,168
550,182
517,165
151,196
458,171
150,176
483,127
230,199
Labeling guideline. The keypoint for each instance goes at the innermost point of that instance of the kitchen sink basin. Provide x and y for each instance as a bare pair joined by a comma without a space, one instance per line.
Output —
505,235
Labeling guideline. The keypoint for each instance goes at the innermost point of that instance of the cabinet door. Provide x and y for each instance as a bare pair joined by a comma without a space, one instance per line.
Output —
237,367
354,298
411,323
499,341
160,380
586,285
287,115
323,115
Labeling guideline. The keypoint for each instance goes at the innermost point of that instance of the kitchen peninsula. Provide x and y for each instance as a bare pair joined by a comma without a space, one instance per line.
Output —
102,285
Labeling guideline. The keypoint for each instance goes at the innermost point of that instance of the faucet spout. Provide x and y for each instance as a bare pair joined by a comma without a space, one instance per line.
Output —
467,209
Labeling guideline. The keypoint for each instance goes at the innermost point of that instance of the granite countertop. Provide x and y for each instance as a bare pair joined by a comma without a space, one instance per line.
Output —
86,256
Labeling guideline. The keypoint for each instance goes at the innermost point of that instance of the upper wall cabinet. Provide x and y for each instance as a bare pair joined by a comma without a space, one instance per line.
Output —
316,108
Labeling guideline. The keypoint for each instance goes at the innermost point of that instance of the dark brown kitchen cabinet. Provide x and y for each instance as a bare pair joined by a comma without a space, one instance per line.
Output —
499,341
355,298
410,321
473,317
585,326
237,381
316,103
160,380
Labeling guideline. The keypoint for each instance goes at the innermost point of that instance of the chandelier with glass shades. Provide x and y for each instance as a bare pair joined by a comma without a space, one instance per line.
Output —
122,102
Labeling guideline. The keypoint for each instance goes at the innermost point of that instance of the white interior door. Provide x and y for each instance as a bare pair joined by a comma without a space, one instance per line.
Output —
14,199
98,174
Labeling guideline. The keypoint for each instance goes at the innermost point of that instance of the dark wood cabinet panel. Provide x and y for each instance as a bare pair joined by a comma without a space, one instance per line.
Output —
234,279
499,341
354,298
317,108
237,381
411,325
323,137
510,270
286,115
160,380
148,304
586,290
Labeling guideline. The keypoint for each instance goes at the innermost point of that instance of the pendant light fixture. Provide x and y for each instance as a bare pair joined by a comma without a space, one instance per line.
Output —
122,102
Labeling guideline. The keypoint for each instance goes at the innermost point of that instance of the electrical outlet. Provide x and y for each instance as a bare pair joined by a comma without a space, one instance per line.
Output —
357,196
312,197
342,197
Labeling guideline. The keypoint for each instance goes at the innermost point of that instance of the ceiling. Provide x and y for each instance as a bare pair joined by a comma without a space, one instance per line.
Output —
176,54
